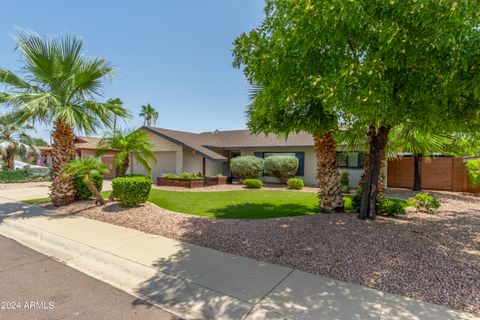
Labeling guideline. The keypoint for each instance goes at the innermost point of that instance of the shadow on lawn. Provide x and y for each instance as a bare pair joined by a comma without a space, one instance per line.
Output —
263,210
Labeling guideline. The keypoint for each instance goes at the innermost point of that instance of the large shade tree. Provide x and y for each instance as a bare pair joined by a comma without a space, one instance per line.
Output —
409,61
384,63
59,85
284,66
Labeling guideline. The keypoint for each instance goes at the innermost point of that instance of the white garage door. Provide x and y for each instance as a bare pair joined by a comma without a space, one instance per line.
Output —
166,163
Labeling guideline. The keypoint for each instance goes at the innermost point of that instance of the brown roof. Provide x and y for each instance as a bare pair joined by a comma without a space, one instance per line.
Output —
86,142
80,143
201,142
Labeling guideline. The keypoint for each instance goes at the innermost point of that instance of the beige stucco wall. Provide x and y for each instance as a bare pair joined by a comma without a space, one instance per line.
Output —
194,163
166,163
310,167
161,144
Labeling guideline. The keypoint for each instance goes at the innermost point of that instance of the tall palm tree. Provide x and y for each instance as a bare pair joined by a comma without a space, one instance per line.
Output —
136,143
59,86
87,168
14,140
113,104
149,114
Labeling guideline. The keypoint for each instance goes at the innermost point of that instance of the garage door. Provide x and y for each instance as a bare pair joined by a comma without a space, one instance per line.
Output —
166,163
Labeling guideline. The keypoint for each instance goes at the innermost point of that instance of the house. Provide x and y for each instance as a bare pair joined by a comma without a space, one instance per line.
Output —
209,153
85,147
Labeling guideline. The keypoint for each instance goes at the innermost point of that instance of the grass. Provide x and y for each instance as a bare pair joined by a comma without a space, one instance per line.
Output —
244,204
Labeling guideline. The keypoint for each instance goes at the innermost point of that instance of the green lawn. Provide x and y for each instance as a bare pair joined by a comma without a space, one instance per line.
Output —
244,204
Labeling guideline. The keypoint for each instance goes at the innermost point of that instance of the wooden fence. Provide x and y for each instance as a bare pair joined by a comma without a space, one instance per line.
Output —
438,173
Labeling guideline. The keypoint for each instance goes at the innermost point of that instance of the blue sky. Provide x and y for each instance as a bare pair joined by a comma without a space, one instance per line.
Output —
173,54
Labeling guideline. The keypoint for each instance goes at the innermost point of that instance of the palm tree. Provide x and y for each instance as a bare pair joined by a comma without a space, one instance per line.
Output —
59,86
420,143
402,138
136,143
14,140
149,114
87,168
115,103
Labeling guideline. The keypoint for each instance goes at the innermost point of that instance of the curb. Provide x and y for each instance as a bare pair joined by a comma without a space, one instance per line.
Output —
175,295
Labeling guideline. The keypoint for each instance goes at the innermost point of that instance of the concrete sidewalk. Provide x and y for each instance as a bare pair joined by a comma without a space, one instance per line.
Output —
196,282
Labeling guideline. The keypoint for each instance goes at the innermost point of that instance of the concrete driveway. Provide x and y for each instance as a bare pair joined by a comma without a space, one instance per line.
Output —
33,190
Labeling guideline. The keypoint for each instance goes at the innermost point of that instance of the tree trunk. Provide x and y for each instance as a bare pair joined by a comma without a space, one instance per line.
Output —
328,175
122,171
417,172
9,158
378,143
98,197
63,150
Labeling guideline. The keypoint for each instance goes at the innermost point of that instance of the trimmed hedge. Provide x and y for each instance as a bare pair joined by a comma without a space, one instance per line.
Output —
81,188
247,167
133,190
253,183
295,183
281,167
24,175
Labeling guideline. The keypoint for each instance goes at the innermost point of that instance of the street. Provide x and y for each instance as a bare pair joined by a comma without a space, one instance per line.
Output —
34,286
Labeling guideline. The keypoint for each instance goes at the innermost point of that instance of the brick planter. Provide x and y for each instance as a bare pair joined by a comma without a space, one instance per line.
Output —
177,182
213,181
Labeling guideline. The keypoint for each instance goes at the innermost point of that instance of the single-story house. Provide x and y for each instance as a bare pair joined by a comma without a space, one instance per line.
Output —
209,153
85,147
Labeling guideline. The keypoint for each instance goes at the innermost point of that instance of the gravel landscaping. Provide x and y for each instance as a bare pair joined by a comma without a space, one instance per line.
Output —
435,258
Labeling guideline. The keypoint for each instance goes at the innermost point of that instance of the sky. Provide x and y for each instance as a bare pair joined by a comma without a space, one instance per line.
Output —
175,54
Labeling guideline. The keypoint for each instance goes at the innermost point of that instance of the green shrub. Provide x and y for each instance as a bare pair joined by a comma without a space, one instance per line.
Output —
25,175
357,199
253,183
132,191
184,175
424,202
281,167
247,167
295,183
390,207
188,175
81,188
473,170
170,176
345,178
385,206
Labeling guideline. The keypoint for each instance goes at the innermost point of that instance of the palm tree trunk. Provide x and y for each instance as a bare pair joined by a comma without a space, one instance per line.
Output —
9,158
378,143
328,174
63,150
122,171
417,172
98,197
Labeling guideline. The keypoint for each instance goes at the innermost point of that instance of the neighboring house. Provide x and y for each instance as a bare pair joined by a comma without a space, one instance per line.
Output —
209,153
85,147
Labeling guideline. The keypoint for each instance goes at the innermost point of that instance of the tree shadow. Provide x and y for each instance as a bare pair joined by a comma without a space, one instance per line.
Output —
263,210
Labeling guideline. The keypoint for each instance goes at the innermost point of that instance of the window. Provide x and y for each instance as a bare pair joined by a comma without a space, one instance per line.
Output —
300,156
352,160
